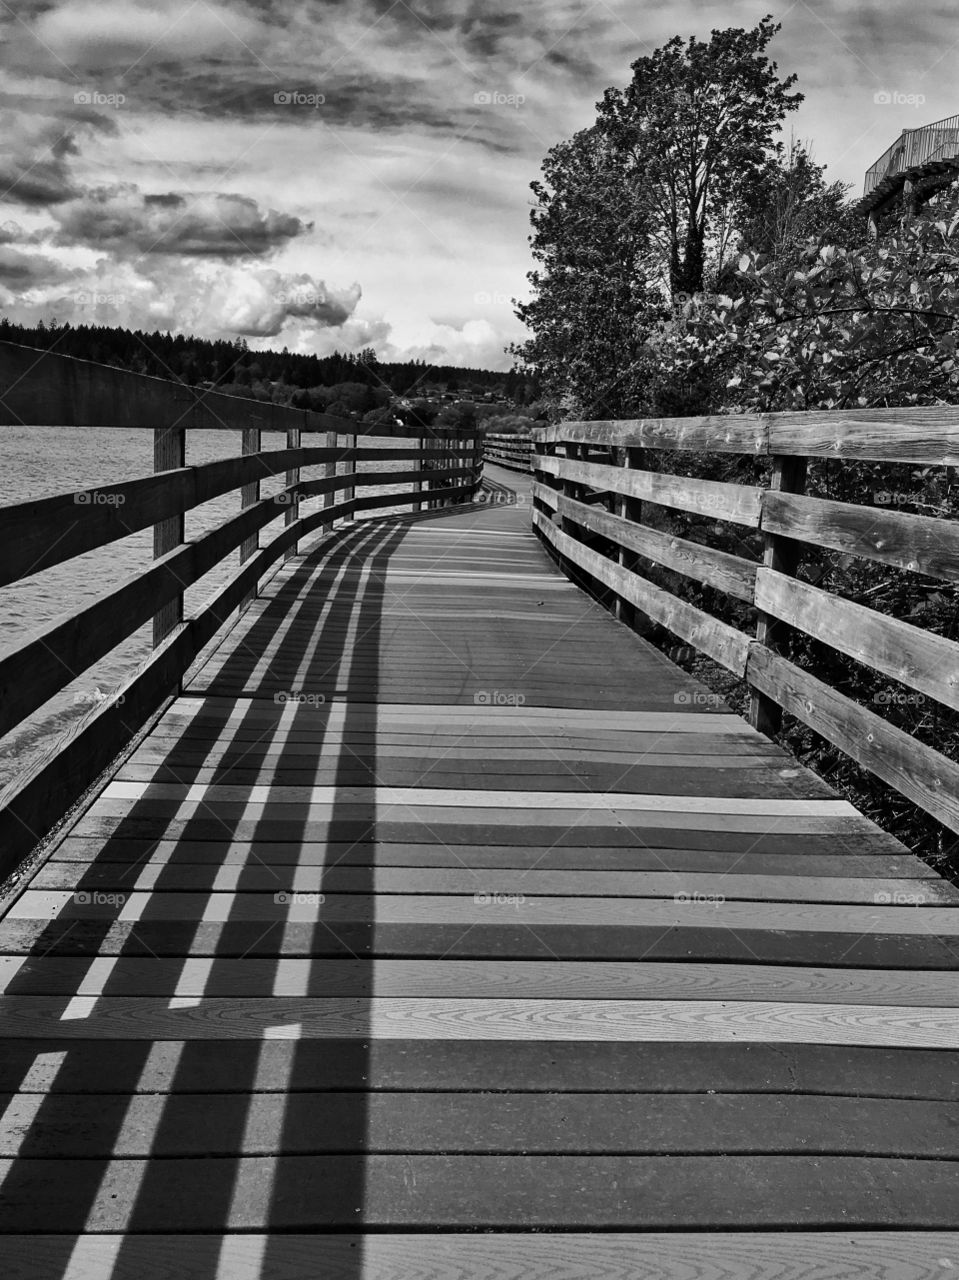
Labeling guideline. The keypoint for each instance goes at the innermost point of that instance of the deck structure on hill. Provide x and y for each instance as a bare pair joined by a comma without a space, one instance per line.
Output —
920,163
443,927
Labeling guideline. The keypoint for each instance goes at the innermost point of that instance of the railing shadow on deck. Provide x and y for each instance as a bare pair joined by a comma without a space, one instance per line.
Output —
42,388
250,1065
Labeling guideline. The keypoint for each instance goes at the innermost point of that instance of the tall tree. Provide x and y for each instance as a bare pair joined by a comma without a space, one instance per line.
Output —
696,127
636,212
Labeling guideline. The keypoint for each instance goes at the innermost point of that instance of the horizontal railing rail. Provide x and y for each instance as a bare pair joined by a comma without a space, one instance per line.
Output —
513,451
43,389
593,479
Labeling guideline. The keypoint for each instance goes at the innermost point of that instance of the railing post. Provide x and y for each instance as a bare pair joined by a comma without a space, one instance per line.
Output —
783,555
294,439
250,493
350,493
630,509
169,452
329,469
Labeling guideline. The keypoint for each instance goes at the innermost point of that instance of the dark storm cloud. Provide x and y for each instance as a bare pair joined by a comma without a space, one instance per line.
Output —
20,271
38,139
127,221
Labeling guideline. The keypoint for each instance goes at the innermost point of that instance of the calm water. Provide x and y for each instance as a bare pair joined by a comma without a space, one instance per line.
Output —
36,462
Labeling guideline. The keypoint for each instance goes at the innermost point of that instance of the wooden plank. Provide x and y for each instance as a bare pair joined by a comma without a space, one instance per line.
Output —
919,659
806,856
487,905
92,1066
44,388
306,1017
179,793
918,772
703,935
739,433
855,1255
78,1066
723,643
922,544
481,1192
926,435
212,1125
731,574
698,777
229,711
535,882
481,979
740,504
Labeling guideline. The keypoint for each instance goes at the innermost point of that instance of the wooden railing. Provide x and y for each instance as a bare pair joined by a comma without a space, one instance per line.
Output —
514,452
44,389
583,466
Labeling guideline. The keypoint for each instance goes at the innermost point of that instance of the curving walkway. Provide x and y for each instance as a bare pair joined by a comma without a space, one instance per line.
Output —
442,928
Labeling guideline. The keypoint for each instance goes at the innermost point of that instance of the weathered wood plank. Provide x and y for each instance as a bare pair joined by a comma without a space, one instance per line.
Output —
740,504
78,1066
482,1192
27,975
925,776
701,934
927,434
211,1125
919,659
488,905
922,544
728,573
308,1017
797,1255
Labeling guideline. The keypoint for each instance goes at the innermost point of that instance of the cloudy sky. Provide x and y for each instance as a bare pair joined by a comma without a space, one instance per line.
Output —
324,174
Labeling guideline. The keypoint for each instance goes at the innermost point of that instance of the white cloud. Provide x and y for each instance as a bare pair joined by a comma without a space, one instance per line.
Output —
105,34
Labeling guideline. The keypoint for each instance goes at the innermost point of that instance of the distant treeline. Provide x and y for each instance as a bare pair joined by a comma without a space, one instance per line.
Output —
231,365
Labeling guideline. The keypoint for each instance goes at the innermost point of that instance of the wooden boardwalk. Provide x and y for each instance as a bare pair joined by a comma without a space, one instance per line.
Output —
443,928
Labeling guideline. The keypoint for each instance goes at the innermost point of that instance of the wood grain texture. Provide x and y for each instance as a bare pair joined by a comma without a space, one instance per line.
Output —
308,1017
914,769
798,1255
921,544
916,658
740,504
